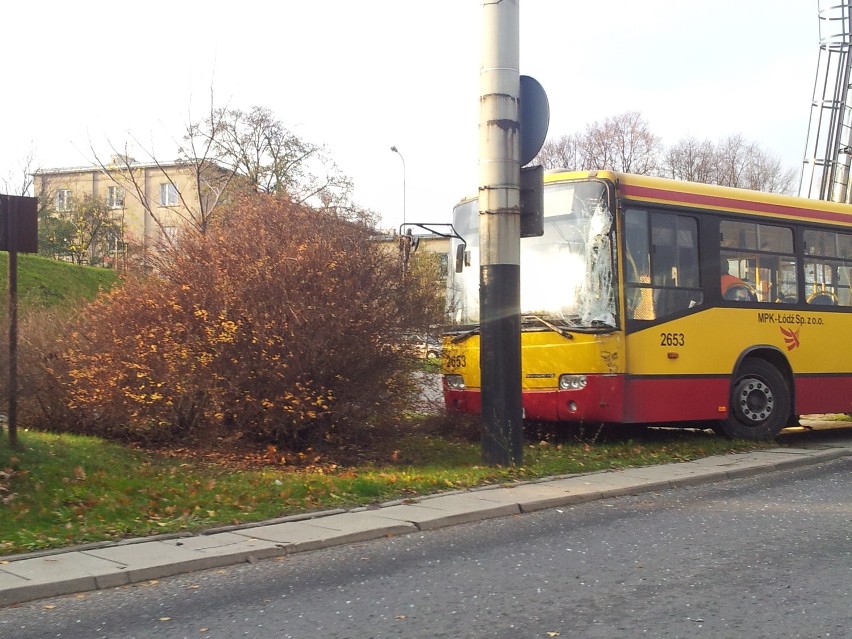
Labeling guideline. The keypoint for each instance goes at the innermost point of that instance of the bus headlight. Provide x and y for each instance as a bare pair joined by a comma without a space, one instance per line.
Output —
454,382
572,382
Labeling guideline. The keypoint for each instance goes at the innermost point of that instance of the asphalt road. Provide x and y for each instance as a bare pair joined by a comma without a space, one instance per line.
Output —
769,556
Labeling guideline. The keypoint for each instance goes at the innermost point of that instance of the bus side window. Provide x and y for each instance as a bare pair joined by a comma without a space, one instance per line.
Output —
639,296
844,286
787,290
674,263
828,268
761,259
844,280
821,283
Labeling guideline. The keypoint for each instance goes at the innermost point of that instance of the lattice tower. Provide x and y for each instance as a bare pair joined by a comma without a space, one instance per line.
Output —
825,174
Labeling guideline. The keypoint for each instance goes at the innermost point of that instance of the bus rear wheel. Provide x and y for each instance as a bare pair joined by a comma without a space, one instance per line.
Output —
760,402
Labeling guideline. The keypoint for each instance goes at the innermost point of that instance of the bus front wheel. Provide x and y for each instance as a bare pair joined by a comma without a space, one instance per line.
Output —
760,402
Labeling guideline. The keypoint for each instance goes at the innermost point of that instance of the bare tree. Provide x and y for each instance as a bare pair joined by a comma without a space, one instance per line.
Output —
212,180
691,160
733,161
19,180
732,156
625,143
766,173
196,208
229,151
637,149
596,149
273,159
561,153
621,143
745,165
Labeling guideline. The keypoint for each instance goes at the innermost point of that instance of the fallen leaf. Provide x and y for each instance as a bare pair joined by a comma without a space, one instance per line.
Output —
49,606
79,473
553,634
165,618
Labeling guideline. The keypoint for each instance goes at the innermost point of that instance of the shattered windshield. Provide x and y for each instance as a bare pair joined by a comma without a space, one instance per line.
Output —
566,274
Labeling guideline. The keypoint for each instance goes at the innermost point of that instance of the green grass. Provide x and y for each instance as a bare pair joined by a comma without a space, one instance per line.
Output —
61,490
49,283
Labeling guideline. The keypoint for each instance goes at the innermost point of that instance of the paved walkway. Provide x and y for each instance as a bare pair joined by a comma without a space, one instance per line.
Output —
84,568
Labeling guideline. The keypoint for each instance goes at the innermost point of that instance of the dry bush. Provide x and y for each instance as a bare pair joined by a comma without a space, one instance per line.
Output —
273,326
39,397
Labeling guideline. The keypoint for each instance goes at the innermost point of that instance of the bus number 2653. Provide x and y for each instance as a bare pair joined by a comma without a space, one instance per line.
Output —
672,339
455,361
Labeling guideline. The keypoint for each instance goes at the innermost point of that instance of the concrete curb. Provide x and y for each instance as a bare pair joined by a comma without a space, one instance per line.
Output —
95,566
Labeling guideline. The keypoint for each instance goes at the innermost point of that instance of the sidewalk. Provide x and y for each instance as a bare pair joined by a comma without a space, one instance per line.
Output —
95,566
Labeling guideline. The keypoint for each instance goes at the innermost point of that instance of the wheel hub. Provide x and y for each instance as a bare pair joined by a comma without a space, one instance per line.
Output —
755,400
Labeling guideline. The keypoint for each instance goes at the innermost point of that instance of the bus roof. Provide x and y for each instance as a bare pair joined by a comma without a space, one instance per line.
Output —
664,191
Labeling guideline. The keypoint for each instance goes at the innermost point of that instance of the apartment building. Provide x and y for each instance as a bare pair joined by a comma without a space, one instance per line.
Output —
150,202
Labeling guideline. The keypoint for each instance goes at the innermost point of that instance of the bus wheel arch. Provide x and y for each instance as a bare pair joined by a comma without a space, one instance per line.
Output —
761,396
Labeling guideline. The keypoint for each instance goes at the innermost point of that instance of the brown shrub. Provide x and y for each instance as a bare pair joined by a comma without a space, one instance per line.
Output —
274,326
39,397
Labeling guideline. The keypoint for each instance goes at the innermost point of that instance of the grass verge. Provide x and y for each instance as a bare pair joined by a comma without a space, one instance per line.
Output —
61,490
43,282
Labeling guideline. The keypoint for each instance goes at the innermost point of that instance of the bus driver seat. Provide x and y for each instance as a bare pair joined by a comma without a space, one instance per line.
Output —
733,288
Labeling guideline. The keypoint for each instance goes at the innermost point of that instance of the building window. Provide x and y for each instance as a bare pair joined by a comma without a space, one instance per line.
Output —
115,197
168,194
63,200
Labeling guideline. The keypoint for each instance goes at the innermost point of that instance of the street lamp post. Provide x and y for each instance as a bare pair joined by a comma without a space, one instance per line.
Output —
396,150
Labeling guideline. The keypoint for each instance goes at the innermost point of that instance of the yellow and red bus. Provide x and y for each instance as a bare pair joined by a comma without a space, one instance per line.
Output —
624,316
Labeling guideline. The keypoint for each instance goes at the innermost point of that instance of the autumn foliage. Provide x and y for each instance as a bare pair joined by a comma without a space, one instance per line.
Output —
276,326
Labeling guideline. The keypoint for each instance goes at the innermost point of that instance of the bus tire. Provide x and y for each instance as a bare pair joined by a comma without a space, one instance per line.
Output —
759,404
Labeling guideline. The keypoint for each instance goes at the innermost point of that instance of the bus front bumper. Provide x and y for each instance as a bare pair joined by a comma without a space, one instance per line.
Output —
600,401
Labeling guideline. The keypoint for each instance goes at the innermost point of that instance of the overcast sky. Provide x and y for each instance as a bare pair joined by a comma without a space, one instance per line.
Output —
360,77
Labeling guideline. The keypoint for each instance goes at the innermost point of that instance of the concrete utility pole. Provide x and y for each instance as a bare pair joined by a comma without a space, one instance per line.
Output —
499,233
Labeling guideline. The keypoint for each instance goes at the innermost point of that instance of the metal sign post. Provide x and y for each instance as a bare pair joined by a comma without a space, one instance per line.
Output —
18,232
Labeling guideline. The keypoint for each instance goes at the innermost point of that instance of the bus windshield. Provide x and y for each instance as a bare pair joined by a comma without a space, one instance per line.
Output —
566,274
